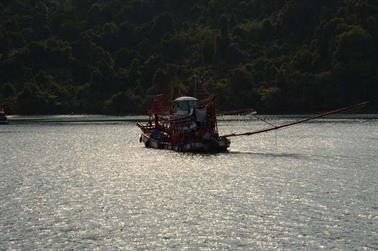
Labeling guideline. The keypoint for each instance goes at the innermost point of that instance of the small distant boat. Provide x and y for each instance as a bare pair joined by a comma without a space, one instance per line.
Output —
189,126
3,118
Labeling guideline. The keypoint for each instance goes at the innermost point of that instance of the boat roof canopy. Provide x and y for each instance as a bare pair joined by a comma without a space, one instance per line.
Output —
185,98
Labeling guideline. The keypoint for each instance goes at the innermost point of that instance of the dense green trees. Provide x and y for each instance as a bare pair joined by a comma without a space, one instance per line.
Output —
93,56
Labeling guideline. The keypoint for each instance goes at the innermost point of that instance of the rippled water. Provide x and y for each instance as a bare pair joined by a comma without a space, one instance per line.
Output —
92,185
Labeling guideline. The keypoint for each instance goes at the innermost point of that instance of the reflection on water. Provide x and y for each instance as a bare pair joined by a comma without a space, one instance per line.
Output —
282,155
83,185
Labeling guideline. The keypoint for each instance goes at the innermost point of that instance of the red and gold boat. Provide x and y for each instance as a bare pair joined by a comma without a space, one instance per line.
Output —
190,125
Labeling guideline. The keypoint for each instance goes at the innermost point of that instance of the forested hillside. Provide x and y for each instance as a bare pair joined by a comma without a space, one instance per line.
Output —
110,56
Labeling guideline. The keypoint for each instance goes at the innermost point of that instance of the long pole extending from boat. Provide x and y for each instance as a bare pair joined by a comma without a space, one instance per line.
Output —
343,109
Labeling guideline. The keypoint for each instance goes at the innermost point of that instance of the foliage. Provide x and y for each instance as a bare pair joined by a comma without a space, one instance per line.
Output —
95,56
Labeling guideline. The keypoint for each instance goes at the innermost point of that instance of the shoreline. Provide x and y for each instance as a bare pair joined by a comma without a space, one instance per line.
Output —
93,118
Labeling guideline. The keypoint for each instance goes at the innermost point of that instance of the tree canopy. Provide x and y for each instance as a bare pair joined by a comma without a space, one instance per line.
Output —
94,56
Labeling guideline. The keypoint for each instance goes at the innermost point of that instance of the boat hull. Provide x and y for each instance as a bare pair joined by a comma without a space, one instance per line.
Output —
221,145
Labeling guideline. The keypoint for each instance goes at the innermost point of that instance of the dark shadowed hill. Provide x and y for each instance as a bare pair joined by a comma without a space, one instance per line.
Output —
96,56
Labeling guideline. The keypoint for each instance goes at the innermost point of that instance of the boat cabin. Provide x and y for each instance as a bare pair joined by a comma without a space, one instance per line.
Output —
185,105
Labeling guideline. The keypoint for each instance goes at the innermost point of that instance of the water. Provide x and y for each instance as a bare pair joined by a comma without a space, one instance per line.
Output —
93,186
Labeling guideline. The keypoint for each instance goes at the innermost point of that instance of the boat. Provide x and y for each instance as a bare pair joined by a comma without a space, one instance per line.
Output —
3,118
189,126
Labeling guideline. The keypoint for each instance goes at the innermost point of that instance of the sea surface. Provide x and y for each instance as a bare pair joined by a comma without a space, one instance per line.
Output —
84,183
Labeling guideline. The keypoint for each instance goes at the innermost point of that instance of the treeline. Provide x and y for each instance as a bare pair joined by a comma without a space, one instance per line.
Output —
97,56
